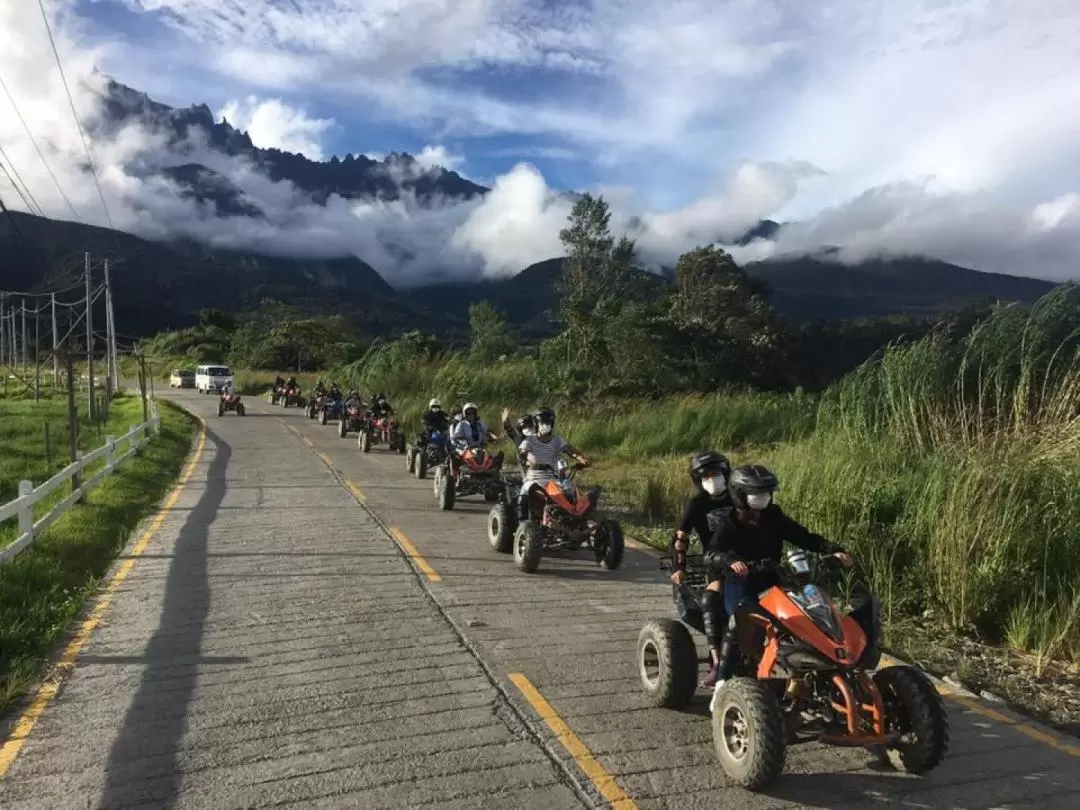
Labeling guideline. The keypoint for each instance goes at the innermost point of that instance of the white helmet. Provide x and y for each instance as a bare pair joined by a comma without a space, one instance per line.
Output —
469,406
434,403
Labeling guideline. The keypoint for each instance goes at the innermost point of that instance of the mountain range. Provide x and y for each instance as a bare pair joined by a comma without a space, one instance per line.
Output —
161,285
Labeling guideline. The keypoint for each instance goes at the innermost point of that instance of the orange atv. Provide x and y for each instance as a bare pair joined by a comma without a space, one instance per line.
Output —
563,517
469,471
805,674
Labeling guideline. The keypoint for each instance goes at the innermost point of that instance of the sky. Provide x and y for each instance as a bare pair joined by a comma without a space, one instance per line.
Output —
948,128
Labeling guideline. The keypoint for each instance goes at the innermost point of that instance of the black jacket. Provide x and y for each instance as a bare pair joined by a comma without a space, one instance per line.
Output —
436,420
736,542
701,515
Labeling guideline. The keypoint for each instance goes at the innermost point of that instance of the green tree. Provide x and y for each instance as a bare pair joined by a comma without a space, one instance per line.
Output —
730,332
491,338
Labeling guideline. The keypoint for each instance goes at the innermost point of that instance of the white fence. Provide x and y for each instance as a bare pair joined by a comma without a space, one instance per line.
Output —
29,495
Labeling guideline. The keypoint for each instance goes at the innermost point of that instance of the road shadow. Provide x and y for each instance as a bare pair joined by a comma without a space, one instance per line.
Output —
142,766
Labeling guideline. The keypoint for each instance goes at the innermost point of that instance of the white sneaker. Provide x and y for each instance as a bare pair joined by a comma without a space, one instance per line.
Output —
715,694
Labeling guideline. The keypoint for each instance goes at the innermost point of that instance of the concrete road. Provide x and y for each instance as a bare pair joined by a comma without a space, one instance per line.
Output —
243,666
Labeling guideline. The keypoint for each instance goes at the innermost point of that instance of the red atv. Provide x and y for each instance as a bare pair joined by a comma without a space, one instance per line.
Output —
383,430
469,471
277,394
230,402
315,407
354,418
291,397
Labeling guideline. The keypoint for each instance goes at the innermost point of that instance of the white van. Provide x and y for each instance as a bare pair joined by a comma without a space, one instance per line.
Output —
212,378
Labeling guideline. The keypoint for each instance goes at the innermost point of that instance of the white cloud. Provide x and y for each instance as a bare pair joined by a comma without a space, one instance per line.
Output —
889,126
431,157
273,124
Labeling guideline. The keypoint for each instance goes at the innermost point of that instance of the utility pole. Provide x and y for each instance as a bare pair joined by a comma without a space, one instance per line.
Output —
73,420
110,331
3,330
89,336
55,347
25,358
37,353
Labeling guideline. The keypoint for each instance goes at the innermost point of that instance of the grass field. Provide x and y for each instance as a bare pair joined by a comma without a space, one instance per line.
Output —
43,588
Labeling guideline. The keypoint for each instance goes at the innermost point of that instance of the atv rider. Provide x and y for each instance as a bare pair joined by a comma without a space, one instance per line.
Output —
701,516
754,529
353,398
518,429
319,389
471,431
334,394
540,452
279,382
291,383
380,408
435,419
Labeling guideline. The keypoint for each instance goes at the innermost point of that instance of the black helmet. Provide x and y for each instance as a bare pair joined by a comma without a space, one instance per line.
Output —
749,480
545,415
707,459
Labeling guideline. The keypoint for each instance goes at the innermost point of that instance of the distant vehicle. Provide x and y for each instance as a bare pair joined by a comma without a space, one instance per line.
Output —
212,378
182,378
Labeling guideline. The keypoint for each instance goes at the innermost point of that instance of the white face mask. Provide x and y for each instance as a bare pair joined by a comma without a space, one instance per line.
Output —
543,429
758,500
713,486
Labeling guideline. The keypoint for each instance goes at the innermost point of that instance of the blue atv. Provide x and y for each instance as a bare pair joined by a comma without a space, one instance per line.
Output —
332,409
428,452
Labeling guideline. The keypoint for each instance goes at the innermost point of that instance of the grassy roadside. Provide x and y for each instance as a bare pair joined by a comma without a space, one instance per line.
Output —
44,588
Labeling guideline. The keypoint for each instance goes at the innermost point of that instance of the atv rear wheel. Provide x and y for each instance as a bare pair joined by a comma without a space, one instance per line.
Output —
528,547
502,522
444,491
240,410
914,708
220,409
614,545
322,417
410,461
365,442
749,733
343,429
667,663
421,465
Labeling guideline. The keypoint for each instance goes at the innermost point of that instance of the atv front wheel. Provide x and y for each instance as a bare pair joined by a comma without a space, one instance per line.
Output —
365,442
421,465
240,410
528,547
667,663
343,429
322,417
914,708
614,545
749,733
220,410
410,461
502,523
445,492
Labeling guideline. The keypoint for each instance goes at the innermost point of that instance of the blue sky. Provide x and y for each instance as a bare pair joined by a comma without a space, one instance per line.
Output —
943,127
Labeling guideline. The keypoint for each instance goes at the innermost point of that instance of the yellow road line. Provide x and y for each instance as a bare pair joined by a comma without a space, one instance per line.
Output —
47,691
410,551
598,775
356,491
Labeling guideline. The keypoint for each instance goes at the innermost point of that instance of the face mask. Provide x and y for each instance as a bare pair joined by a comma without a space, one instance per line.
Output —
758,500
543,429
713,485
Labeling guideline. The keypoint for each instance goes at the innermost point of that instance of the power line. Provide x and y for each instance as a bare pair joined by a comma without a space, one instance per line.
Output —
74,114
41,155
24,192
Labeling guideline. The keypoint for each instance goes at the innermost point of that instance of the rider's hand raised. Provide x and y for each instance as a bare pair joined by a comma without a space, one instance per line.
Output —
846,559
740,569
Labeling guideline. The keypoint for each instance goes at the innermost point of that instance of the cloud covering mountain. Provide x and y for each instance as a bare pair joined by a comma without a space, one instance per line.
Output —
948,131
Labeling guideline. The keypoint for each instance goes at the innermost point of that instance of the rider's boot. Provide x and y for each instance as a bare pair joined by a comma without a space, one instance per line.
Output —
728,653
712,615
